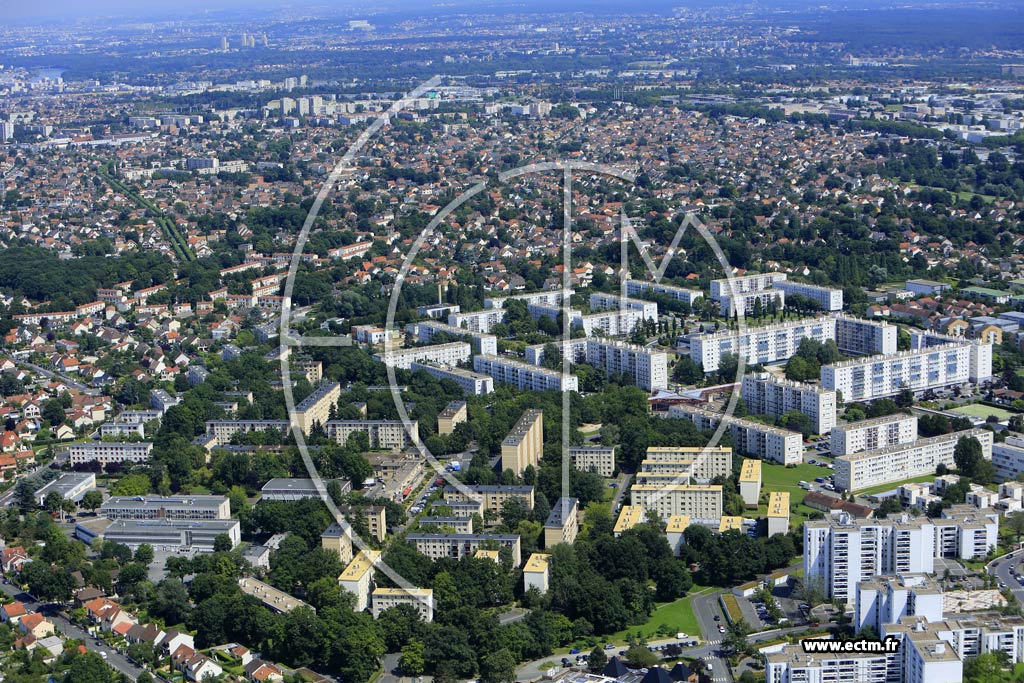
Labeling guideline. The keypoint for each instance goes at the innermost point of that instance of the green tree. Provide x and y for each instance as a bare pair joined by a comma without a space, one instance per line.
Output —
597,660
412,663
639,657
498,667
92,500
222,543
89,667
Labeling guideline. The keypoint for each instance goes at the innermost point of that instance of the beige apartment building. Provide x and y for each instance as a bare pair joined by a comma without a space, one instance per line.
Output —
524,445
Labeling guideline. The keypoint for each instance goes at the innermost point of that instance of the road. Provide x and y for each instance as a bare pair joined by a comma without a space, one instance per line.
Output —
69,630
1001,568
623,484
74,384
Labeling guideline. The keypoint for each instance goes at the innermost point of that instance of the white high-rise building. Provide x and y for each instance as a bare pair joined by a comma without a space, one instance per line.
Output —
648,368
766,394
744,284
452,353
690,296
980,369
477,321
747,304
867,435
750,438
425,330
473,383
885,600
828,298
522,375
1008,458
890,464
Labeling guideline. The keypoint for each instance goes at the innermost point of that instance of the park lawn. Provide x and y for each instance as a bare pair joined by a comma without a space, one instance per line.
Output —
983,411
677,615
881,488
780,478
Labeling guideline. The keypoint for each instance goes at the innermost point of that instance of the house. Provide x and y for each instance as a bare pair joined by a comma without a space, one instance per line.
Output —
13,558
200,667
12,612
36,624
175,639
150,634
259,671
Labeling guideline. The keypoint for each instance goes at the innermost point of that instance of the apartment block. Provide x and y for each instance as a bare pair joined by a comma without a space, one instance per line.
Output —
886,600
421,598
610,323
600,459
272,598
169,507
563,523
636,287
749,302
477,321
778,513
358,577
451,417
490,496
1008,457
443,524
457,546
779,341
337,539
600,301
766,394
980,354
426,331
872,377
828,298
675,532
648,369
899,462
107,452
316,408
750,482
523,375
750,438
537,573
297,488
472,383
524,445
450,354
700,463
745,284
700,502
374,515
889,430
222,431
384,435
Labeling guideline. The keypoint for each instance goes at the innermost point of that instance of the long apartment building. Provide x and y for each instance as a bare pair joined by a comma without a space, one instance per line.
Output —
873,377
222,431
600,459
890,464
699,463
646,367
457,546
316,408
490,496
383,434
828,298
744,284
748,303
766,394
166,507
750,438
420,598
841,551
426,331
479,322
980,357
699,502
600,301
636,287
553,297
779,341
1008,458
107,452
451,353
523,375
472,383
866,435
524,445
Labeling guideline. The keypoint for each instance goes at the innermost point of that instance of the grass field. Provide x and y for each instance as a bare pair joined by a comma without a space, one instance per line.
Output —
983,411
677,617
891,487
780,478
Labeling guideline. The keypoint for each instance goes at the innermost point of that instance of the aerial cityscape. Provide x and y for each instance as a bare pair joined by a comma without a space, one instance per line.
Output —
483,342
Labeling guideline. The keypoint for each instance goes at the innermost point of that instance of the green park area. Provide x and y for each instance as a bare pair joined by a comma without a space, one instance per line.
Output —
780,478
667,619
983,411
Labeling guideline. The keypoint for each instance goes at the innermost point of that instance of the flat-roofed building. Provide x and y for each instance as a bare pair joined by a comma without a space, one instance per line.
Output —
446,524
866,435
599,459
748,303
272,598
750,482
766,394
891,464
675,532
730,523
490,496
316,408
523,375
427,330
69,486
383,435
637,287
451,417
647,368
708,462
744,284
492,555
778,513
537,572
358,577
166,507
563,523
750,438
420,598
223,430
297,488
829,299
700,502
375,516
457,546
629,517
450,354
108,452
885,600
472,383
169,535
524,445
337,539
477,321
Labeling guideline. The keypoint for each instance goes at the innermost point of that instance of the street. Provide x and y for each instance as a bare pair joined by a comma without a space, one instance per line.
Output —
1001,569
115,659
74,384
